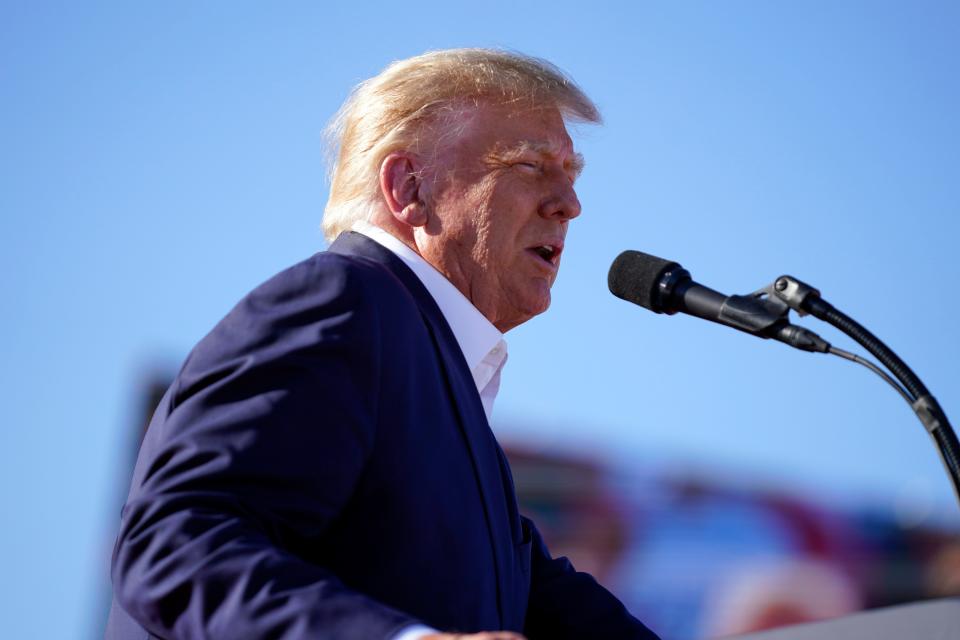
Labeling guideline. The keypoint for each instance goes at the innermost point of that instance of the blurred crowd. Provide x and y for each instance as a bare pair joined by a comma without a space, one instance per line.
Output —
704,558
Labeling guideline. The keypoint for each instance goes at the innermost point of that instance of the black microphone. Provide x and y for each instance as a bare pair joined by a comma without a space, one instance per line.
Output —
663,286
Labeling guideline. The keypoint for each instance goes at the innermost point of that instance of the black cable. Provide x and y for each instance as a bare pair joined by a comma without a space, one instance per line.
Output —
943,436
923,404
825,311
852,357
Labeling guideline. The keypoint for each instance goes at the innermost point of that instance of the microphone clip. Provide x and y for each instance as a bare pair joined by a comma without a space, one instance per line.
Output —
777,300
787,293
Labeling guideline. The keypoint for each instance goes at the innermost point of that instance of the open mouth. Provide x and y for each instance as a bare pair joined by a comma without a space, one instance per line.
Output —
549,253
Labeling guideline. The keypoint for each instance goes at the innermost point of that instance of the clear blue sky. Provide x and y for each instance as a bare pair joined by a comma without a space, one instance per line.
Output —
160,159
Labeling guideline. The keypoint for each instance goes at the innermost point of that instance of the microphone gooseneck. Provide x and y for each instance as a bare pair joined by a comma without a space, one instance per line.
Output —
928,410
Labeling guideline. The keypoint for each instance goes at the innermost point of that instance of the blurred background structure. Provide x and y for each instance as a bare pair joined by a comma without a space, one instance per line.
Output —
157,161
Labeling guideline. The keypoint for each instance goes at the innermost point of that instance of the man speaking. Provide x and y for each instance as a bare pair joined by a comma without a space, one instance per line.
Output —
323,466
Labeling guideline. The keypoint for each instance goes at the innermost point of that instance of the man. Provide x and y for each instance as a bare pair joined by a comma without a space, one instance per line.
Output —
323,466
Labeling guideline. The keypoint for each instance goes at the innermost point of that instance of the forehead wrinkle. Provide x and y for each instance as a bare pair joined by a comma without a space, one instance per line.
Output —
540,147
574,163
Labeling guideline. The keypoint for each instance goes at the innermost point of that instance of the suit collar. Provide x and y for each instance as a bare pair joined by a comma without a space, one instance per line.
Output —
357,244
476,335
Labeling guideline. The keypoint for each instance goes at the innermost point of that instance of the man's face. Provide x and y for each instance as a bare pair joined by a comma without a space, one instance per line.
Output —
501,197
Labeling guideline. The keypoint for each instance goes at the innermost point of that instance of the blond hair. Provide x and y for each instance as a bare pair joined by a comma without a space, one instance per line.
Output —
389,111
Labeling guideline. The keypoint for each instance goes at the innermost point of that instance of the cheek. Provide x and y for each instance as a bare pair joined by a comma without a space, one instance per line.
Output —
494,237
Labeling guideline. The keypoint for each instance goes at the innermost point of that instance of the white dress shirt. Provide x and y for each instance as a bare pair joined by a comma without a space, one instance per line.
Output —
482,344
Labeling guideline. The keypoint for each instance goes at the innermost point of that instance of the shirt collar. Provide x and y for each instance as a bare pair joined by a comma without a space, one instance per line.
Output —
475,334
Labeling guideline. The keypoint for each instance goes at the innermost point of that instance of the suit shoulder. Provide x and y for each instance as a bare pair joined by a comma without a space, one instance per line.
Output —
327,299
327,275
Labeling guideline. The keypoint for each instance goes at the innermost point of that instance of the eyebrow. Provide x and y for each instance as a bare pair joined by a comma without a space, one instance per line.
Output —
575,163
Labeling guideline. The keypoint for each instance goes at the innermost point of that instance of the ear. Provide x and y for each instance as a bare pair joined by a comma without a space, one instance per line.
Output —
401,187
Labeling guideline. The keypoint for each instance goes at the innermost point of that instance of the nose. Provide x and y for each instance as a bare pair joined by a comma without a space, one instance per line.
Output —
562,204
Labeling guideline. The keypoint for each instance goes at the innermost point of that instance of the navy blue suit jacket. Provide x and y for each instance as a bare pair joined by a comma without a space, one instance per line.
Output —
322,467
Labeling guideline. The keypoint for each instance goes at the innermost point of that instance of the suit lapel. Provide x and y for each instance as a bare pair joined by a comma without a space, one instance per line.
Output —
493,480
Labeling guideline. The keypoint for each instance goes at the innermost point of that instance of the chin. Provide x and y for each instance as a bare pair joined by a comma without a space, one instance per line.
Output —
538,305
533,306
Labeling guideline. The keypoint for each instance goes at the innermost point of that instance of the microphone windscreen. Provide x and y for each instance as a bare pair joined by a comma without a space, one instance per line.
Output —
635,276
